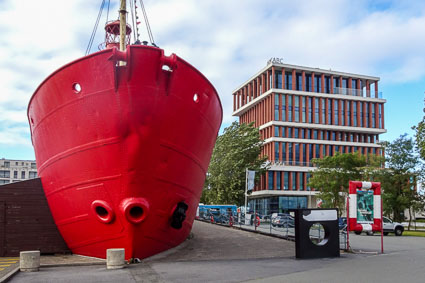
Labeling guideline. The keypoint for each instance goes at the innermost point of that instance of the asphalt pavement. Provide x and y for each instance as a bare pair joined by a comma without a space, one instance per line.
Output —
222,254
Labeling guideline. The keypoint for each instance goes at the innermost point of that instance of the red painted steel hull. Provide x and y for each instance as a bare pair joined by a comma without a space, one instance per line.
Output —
134,136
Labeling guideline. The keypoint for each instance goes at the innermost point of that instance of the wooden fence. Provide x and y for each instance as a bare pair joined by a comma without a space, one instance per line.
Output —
26,222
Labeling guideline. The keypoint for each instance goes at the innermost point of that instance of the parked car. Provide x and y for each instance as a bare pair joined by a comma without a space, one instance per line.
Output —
342,223
392,227
389,226
283,221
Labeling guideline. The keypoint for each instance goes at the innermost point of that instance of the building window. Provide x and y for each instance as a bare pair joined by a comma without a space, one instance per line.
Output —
373,116
354,113
316,110
302,133
297,153
361,114
318,84
294,181
336,112
315,134
342,112
286,180
289,108
4,182
353,87
301,180
23,175
7,164
270,180
303,101
367,115
344,86
336,86
276,131
299,81
33,166
296,133
310,148
289,132
329,111
308,180
288,80
324,150
327,84
283,132
276,151
276,107
15,174
380,117
278,79
278,174
4,173
297,109
317,151
284,151
307,82
304,155
32,175
283,107
323,111
310,109
290,153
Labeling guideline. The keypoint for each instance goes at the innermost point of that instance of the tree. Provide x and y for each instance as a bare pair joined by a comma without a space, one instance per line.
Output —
238,148
333,174
399,179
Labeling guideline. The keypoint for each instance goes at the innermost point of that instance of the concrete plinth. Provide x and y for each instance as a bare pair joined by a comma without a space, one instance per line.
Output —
29,261
115,258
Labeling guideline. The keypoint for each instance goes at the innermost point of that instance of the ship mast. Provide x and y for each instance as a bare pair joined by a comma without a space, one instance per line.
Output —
123,24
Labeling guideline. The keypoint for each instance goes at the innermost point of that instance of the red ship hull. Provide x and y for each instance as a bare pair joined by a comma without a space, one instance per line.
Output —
118,148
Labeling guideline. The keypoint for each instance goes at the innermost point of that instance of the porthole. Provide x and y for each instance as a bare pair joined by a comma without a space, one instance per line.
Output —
196,98
76,87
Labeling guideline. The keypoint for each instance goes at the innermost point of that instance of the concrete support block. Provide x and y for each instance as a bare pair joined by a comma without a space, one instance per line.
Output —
115,258
29,261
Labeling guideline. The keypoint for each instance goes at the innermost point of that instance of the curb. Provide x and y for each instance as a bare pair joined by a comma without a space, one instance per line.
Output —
9,275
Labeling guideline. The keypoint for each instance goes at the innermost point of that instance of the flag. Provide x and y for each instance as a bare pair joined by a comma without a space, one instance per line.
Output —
250,178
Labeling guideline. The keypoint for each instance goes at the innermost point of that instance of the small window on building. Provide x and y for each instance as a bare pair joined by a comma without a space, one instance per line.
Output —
15,174
32,175
4,174
23,174
7,164
33,165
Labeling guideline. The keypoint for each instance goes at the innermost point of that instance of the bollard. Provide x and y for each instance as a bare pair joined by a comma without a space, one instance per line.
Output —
29,261
115,258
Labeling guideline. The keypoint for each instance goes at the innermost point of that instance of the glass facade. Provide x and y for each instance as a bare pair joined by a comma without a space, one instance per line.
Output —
281,204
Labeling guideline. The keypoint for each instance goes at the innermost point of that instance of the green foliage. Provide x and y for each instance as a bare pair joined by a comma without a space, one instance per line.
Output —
238,148
398,181
333,174
420,137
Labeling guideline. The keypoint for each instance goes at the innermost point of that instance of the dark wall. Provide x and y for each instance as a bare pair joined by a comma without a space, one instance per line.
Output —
25,220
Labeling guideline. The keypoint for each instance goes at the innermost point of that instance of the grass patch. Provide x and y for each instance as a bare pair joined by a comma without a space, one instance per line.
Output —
414,233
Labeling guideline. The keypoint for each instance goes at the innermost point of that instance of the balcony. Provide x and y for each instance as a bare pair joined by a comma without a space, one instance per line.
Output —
357,92
290,163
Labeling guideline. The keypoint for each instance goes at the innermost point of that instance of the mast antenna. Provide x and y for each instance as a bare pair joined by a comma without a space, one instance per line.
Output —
123,24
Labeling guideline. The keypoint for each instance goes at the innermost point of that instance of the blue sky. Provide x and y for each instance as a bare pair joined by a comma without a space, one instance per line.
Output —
228,41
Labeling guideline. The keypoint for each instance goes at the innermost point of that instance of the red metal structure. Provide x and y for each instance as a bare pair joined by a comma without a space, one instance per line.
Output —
123,151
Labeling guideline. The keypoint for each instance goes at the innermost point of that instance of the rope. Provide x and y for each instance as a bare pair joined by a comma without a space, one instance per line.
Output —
147,23
107,12
133,11
93,34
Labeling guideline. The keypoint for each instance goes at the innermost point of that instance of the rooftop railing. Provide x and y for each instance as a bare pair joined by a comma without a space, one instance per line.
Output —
358,92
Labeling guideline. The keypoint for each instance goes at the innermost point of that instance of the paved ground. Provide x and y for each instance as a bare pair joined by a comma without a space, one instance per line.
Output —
220,254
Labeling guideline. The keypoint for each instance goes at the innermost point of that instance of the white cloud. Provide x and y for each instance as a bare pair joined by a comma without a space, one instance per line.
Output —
228,41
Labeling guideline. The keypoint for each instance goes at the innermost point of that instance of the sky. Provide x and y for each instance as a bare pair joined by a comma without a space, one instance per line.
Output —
228,41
